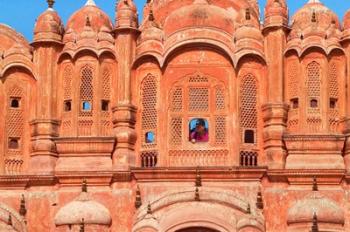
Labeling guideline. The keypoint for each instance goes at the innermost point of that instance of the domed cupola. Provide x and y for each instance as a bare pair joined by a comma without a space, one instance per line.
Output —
200,14
314,24
247,34
48,26
126,15
87,22
346,26
151,37
83,207
315,203
276,13
151,30
313,19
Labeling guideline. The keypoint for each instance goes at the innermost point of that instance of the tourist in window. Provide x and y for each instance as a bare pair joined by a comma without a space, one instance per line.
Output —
200,132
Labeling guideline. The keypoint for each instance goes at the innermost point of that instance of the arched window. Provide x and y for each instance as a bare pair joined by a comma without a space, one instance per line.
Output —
67,98
149,121
15,120
248,103
86,91
333,94
248,116
201,118
314,84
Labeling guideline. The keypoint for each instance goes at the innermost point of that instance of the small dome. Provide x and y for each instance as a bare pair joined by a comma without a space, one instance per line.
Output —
90,12
276,13
347,20
48,26
126,15
248,32
314,12
327,210
129,4
151,30
83,208
200,14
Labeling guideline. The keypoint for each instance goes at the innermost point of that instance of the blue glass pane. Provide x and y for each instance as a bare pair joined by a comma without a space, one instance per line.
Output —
86,106
150,137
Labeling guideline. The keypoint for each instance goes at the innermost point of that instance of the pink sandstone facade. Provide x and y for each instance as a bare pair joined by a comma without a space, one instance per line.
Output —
202,118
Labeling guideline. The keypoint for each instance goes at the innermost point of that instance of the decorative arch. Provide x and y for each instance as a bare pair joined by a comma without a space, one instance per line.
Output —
221,48
216,210
28,66
149,121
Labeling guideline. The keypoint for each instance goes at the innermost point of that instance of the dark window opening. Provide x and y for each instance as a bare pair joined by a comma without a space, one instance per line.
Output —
149,159
86,106
295,103
199,130
313,103
13,143
68,106
249,136
150,137
14,103
333,103
104,105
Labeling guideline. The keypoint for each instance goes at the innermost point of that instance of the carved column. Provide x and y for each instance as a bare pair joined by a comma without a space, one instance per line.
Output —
47,46
275,111
345,122
124,113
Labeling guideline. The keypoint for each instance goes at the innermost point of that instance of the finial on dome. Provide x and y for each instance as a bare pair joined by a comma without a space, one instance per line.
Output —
247,14
90,3
151,16
314,1
84,186
50,3
22,209
9,220
314,227
82,225
314,185
249,211
149,208
198,179
138,200
196,195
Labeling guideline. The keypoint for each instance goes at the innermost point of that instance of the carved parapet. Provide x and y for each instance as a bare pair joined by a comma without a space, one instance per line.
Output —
275,123
275,114
44,154
314,151
79,154
124,119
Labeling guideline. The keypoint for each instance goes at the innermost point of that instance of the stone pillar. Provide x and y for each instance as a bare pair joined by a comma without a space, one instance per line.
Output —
345,122
124,113
47,47
275,123
275,111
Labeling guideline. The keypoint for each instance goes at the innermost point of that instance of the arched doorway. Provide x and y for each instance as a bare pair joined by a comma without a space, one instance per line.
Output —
197,229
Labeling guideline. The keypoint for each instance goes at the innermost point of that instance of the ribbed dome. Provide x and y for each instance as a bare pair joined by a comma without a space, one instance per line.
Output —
200,14
48,26
327,210
83,208
314,12
90,12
